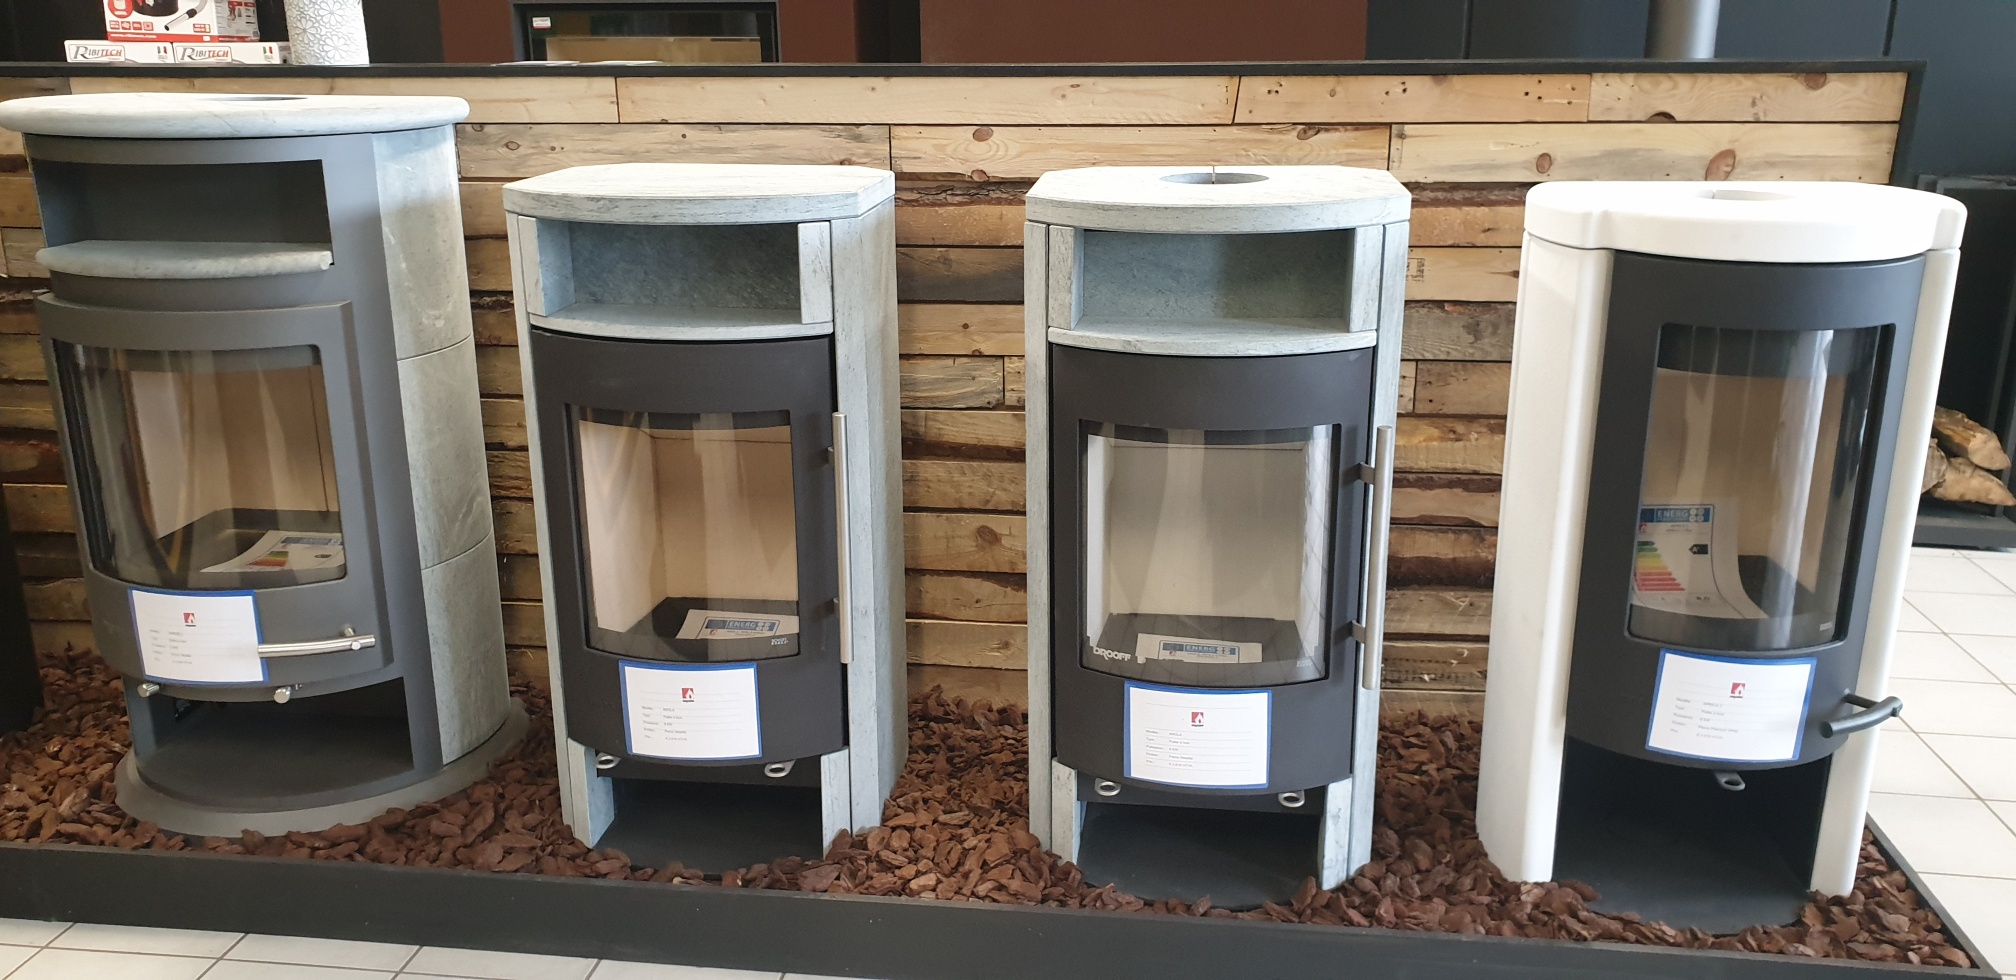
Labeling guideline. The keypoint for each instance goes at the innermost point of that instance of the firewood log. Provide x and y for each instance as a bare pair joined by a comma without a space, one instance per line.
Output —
1935,468
1967,483
1962,436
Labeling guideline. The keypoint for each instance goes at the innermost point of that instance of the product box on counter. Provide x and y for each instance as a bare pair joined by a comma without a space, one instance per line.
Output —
233,53
182,20
119,52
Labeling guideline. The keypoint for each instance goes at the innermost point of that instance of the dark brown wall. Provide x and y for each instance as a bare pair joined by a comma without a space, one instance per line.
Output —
479,31
1062,31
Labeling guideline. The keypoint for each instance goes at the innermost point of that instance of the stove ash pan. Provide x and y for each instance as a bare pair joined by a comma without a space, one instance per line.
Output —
260,345
1721,399
1213,379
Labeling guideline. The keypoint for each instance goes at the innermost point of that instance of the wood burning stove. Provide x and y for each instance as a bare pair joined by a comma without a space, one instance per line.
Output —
264,372
711,390
1213,369
1721,397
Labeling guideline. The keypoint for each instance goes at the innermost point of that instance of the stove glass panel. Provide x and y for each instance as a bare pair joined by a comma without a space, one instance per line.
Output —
1755,479
207,469
1207,553
690,528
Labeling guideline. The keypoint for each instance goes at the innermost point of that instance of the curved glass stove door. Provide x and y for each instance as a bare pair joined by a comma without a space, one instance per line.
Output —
1754,485
1207,553
206,470
689,525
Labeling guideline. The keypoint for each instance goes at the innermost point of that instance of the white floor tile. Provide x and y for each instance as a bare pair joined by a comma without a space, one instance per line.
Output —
29,932
1936,657
1955,708
145,939
1910,620
1986,615
1905,765
1983,908
1986,765
1951,574
322,952
1997,653
13,956
245,970
625,970
488,965
1999,568
2006,809
88,964
1943,836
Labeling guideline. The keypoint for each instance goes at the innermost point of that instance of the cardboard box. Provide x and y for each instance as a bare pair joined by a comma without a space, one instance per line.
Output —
119,52
233,53
182,20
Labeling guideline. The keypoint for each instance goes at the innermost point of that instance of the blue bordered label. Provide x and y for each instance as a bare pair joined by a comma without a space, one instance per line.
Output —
691,711
1209,739
199,639
1730,709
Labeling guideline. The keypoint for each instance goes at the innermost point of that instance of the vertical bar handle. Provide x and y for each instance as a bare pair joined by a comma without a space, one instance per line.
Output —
1371,625
843,534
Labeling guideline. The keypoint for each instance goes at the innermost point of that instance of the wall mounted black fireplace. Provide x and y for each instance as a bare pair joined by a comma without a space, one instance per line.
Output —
1213,373
261,351
1721,398
709,354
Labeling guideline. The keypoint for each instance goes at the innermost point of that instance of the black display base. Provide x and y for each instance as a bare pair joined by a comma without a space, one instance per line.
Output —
1237,858
713,826
791,932
1944,525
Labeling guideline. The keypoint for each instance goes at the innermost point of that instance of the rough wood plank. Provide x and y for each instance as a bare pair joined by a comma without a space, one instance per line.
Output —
997,687
960,484
1468,214
950,382
1054,100
489,264
30,457
497,371
1441,556
26,405
531,664
966,596
498,99
493,322
513,151
517,528
483,209
1462,387
965,542
1435,498
510,474
21,358
1449,444
17,253
1414,98
1690,97
1434,612
998,646
17,202
959,275
959,328
1435,331
1407,372
59,601
1434,665
1014,383
921,222
25,88
1399,706
1028,152
518,578
504,423
47,555
18,315
1473,274
58,637
524,624
1645,151
992,435
34,507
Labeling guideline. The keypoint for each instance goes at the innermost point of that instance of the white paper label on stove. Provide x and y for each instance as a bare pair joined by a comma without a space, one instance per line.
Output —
1730,710
1184,737
1151,646
287,551
1686,561
199,638
714,624
676,712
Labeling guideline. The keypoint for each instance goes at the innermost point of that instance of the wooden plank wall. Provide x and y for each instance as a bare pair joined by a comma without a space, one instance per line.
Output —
965,150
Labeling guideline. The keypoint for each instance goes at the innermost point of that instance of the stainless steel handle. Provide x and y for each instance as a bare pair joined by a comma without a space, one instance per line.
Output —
1873,713
332,645
842,521
1372,604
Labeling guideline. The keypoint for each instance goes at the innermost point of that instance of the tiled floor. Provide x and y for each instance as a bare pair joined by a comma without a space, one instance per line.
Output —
1945,794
